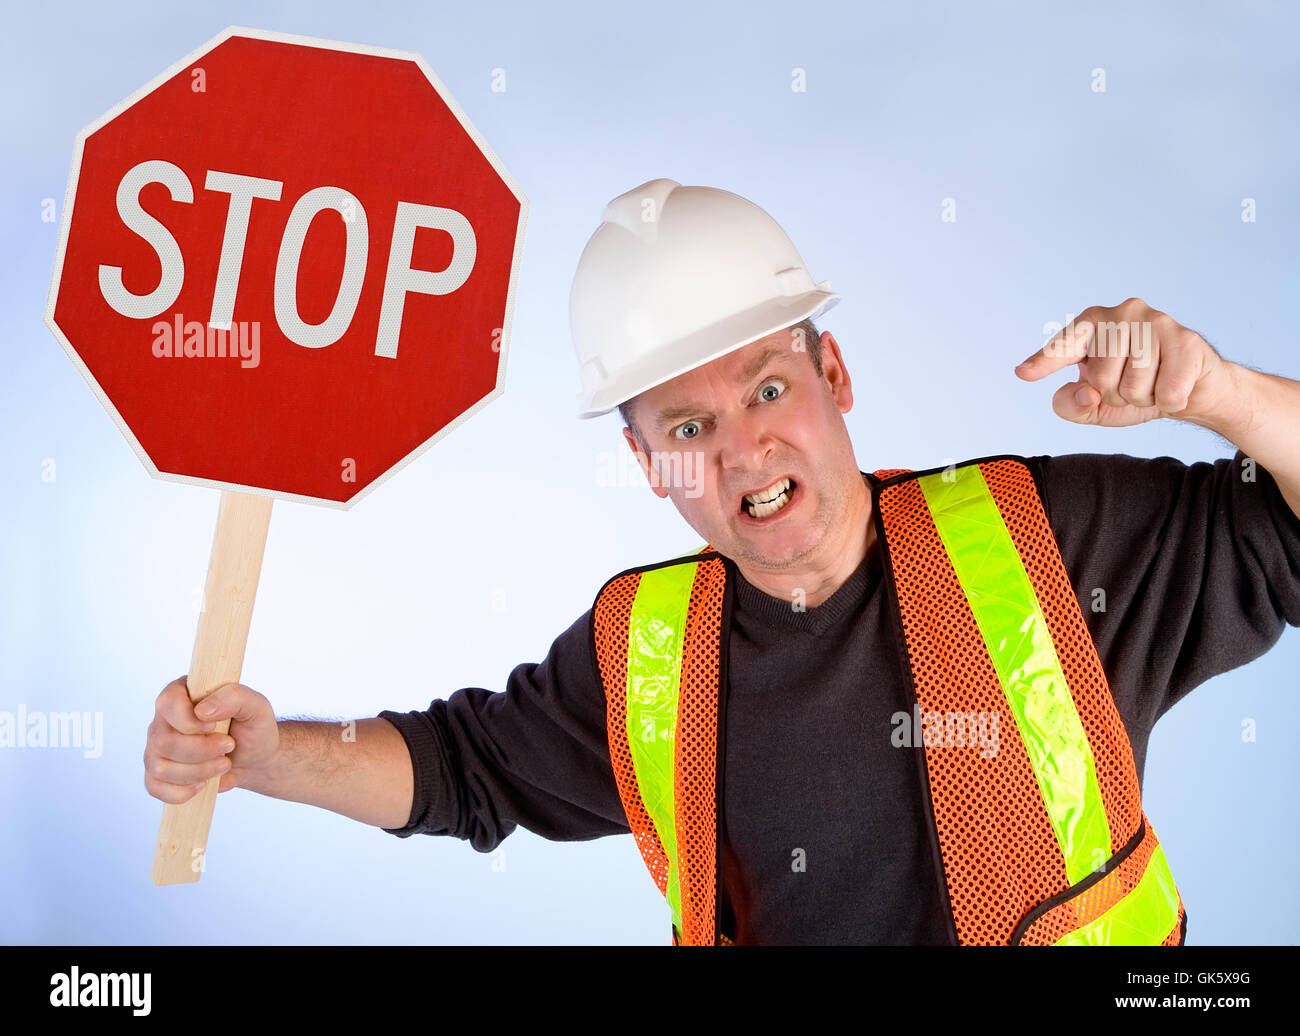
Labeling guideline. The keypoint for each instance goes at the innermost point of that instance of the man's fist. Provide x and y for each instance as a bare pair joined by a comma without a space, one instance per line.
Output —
1136,364
183,751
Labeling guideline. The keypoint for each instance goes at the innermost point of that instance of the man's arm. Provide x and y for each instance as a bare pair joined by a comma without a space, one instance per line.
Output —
360,769
1260,414
475,765
369,779
535,755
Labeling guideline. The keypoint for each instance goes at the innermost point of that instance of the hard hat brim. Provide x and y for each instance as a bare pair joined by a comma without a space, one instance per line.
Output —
702,347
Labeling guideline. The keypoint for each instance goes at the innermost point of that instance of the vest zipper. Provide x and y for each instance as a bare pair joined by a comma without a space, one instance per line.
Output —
905,668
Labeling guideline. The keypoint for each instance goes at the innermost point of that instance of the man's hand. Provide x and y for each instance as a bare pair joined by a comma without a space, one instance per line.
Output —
183,752
1136,364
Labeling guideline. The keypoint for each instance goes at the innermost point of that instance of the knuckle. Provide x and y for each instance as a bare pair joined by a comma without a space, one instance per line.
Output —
189,748
179,793
169,772
1167,395
179,717
186,774
160,771
170,793
163,742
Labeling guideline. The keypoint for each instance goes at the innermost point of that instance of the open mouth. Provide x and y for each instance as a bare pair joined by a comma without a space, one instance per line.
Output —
768,501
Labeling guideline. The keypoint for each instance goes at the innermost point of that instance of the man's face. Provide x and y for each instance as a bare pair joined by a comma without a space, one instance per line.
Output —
740,425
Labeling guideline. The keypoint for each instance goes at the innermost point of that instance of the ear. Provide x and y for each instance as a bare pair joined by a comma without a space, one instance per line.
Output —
836,374
641,458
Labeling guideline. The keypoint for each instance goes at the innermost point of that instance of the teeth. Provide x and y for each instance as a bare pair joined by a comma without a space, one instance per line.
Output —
770,493
768,501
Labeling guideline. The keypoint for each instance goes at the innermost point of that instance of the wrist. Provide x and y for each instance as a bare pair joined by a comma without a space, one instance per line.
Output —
269,776
1232,412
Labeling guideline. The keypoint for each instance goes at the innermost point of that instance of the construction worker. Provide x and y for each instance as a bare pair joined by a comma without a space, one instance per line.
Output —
871,707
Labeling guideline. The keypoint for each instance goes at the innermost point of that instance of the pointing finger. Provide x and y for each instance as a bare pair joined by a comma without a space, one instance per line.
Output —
1067,346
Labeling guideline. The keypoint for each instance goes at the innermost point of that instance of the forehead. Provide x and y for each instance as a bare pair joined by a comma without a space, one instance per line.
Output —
684,395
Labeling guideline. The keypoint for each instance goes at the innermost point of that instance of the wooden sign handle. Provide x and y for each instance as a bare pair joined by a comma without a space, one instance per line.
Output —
233,570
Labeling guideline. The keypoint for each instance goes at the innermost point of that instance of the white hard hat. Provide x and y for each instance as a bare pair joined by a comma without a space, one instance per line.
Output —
675,277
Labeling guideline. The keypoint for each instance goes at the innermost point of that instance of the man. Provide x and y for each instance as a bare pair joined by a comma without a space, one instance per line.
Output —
824,830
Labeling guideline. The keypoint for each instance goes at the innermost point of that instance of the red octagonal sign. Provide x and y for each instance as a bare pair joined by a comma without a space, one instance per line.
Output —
288,266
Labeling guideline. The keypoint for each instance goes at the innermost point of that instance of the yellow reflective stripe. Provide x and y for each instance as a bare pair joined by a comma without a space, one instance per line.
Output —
1006,609
656,632
1144,917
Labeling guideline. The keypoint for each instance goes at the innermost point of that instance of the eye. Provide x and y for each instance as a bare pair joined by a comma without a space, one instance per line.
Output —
681,432
766,396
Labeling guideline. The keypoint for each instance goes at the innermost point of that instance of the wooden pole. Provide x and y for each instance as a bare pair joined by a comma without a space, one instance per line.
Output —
218,658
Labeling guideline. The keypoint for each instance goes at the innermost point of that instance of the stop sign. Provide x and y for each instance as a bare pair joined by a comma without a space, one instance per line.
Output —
287,266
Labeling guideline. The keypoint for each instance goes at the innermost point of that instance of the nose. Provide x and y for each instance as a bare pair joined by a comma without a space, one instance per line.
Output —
746,443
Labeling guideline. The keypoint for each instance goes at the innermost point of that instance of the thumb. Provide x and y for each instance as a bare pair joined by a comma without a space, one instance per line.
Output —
1078,402
229,701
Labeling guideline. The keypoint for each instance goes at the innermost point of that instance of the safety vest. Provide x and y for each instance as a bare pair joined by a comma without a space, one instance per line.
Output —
1043,843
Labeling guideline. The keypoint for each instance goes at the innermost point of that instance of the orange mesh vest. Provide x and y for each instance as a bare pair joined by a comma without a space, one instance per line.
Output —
1041,842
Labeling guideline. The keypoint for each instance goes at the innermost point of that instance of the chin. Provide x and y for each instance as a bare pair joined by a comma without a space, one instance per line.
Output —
779,555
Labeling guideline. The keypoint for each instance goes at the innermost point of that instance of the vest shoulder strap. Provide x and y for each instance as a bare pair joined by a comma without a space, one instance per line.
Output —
657,642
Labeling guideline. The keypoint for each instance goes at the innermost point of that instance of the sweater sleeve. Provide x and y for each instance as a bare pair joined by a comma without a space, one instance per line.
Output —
1182,571
534,754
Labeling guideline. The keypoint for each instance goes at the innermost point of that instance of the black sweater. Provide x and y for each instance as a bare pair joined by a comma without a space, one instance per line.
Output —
824,836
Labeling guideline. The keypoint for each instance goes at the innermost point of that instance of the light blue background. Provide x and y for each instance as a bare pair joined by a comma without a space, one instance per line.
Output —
1066,198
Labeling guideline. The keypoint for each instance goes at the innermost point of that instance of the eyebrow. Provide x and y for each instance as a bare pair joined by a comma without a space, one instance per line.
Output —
670,414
